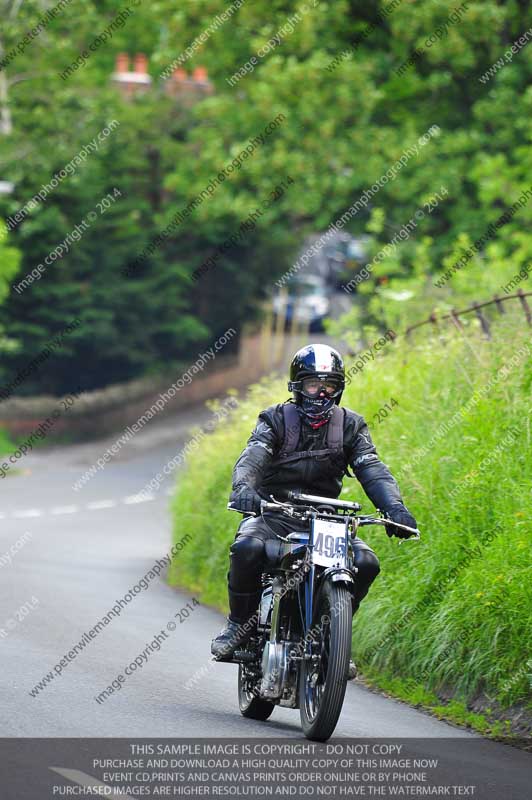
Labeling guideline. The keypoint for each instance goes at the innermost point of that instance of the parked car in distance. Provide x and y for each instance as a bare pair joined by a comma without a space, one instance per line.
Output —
347,260
305,301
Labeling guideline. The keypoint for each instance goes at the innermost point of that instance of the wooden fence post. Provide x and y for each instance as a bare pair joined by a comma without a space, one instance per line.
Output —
454,315
484,324
455,320
526,307
499,304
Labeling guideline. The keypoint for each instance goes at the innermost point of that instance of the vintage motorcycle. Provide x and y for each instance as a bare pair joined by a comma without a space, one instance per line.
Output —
299,650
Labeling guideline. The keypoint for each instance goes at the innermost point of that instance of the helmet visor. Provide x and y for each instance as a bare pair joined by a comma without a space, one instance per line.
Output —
316,386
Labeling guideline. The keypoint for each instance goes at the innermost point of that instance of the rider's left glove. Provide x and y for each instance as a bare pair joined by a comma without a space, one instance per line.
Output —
399,513
245,499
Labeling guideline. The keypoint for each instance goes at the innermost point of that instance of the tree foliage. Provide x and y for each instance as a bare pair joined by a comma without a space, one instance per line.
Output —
348,116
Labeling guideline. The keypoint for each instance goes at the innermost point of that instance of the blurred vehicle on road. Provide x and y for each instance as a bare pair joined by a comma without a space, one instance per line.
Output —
344,258
304,302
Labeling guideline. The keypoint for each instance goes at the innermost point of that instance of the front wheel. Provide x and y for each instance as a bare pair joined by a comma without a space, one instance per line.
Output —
323,680
250,705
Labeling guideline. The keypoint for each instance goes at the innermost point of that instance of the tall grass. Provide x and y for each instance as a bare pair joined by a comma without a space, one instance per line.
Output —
452,611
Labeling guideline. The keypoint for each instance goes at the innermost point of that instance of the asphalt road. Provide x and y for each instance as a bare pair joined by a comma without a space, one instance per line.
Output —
86,549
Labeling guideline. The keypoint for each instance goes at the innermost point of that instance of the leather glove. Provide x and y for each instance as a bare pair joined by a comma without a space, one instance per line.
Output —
246,499
402,515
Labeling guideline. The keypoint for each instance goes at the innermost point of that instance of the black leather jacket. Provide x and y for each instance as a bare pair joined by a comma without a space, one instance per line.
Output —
323,476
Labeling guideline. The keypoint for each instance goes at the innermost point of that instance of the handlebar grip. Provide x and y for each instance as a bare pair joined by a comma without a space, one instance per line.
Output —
265,506
230,507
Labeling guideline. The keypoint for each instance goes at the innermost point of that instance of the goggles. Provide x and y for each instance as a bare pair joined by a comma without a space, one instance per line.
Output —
316,386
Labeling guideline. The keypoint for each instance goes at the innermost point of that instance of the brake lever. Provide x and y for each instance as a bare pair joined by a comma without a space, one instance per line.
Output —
415,538
385,522
244,513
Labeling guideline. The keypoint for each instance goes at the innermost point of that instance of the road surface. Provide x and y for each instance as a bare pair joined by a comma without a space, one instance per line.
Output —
83,550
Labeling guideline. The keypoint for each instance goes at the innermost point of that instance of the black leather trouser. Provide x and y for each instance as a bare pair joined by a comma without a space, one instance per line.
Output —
250,555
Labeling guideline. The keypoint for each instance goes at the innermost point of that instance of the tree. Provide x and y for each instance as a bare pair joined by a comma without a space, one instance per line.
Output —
332,75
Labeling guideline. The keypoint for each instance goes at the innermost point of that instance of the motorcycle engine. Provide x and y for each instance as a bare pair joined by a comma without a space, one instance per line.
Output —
265,610
279,677
275,668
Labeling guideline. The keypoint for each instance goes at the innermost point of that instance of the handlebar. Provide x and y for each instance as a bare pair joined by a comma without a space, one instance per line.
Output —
313,500
329,501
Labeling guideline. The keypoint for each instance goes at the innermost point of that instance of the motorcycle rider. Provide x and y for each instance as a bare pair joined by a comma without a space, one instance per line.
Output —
304,445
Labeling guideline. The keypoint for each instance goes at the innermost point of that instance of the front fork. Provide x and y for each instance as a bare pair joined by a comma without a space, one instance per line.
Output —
277,595
340,573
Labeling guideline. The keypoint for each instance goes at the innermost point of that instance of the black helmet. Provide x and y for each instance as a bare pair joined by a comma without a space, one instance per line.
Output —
325,365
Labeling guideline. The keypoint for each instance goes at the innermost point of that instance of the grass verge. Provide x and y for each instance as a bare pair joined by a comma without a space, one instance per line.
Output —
6,445
453,611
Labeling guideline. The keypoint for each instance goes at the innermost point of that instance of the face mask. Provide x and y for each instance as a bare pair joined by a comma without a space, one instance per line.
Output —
316,408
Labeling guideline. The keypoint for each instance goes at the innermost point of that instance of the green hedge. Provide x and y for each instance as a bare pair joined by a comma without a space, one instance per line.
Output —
454,610
6,444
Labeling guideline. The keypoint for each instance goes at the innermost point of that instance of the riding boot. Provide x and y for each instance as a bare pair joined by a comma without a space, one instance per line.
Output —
242,605
241,624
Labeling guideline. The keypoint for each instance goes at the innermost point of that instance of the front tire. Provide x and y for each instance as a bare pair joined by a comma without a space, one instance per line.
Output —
250,705
322,684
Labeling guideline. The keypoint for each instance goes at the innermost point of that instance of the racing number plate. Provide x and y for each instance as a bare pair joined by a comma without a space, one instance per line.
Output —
330,542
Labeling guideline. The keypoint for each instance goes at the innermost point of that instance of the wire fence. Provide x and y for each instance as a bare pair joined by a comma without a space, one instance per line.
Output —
440,321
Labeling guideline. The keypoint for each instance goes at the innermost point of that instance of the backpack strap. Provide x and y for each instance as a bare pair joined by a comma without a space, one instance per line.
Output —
292,429
335,432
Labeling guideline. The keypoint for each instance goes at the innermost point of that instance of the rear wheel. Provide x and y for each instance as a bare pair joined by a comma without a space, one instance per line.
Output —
250,705
322,681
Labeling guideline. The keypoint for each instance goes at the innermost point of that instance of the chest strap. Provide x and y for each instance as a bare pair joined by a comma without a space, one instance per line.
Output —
285,459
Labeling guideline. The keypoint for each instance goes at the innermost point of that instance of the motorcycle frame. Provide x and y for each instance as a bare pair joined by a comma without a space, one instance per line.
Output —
313,583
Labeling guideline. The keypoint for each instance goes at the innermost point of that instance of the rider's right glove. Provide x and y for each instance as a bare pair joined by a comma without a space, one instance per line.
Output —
399,513
245,499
